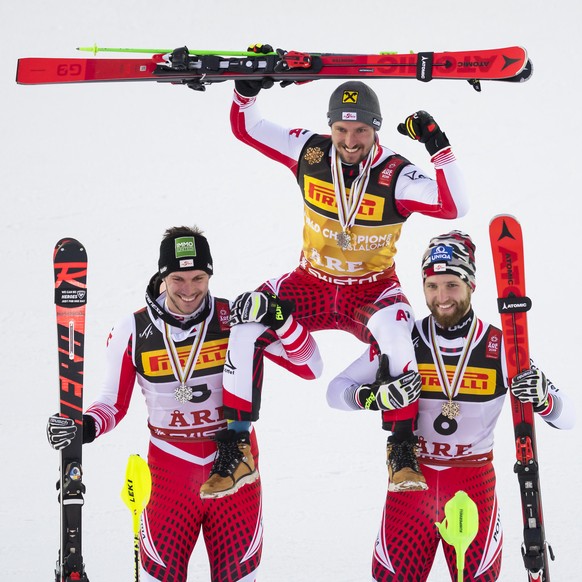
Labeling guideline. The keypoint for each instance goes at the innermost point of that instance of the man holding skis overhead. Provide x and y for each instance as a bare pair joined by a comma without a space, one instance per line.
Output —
175,348
357,194
464,382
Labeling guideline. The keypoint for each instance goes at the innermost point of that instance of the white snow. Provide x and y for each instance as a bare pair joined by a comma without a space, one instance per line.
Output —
116,164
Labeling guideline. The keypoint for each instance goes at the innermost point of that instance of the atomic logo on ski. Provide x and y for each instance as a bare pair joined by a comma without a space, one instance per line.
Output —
505,233
508,62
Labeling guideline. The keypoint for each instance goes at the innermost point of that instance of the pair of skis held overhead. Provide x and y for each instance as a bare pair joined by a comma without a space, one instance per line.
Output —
197,69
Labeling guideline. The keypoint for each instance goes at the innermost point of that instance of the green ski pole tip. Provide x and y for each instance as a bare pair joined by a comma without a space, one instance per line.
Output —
153,51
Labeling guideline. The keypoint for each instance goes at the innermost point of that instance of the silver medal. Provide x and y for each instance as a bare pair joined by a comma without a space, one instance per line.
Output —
183,393
344,240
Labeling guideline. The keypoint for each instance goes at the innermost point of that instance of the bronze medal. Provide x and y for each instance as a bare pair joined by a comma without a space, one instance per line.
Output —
451,409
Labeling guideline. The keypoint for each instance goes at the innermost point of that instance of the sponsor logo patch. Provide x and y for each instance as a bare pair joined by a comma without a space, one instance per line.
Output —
493,345
350,97
476,381
156,363
387,174
320,194
442,253
185,247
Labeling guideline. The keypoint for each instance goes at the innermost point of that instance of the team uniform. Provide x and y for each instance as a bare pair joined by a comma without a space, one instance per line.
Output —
455,452
352,287
180,372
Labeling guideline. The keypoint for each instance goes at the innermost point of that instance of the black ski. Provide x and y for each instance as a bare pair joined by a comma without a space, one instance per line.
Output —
70,270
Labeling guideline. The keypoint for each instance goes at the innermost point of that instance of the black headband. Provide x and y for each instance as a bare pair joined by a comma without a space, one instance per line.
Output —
183,253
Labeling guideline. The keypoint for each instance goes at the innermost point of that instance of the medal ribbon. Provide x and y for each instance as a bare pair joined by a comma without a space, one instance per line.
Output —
451,389
348,205
182,374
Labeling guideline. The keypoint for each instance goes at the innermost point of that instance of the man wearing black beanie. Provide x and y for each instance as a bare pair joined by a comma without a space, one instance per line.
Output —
175,348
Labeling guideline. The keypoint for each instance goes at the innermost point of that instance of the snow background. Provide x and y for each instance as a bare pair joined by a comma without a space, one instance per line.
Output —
115,165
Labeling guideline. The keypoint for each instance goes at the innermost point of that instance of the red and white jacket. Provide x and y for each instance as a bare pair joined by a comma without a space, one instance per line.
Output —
137,349
468,439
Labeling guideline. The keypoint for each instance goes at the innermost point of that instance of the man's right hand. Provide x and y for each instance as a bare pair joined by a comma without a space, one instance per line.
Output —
60,431
251,88
388,393
261,307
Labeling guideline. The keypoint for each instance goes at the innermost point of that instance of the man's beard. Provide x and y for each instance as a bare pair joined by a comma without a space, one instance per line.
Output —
452,318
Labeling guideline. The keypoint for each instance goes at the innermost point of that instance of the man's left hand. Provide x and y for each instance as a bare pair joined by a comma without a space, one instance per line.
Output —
531,386
421,126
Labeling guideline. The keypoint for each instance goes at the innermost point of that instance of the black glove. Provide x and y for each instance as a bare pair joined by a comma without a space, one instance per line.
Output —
261,307
260,49
388,393
89,429
251,88
422,127
61,431
180,58
531,385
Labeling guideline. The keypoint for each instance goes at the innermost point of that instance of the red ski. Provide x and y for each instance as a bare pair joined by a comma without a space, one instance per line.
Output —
504,64
513,303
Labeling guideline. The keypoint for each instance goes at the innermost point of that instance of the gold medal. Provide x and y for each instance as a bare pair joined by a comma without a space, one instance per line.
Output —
451,409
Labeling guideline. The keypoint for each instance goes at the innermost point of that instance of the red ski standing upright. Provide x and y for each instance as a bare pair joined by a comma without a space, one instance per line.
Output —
513,304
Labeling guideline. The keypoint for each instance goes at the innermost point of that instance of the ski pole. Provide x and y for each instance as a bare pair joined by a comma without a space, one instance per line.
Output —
97,49
136,494
459,527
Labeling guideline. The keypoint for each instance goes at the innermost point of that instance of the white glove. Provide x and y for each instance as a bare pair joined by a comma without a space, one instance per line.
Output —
531,386
388,393
60,431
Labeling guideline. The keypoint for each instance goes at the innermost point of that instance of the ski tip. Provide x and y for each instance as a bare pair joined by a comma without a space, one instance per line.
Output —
524,75
505,226
522,51
67,240
72,245
512,56
22,71
498,217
